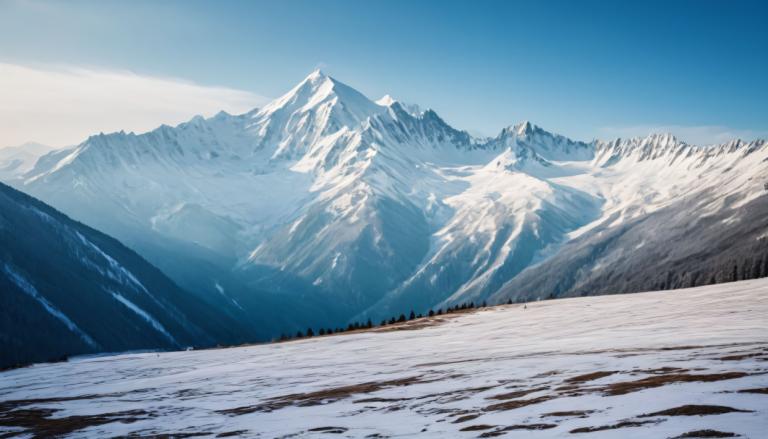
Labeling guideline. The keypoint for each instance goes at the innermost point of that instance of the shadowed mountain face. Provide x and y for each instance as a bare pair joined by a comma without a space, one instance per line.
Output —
67,289
325,206
676,247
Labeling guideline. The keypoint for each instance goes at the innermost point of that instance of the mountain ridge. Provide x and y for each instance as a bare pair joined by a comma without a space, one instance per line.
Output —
376,206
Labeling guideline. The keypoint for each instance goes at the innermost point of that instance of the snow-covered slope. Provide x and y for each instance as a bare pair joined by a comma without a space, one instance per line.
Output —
652,365
67,289
379,207
15,161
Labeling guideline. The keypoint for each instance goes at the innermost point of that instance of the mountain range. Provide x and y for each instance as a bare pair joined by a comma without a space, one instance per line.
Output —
325,206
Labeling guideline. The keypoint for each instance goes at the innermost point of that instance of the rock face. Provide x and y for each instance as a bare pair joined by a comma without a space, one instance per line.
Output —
325,206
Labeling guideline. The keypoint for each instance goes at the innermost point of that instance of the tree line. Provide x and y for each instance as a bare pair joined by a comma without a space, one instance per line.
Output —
402,318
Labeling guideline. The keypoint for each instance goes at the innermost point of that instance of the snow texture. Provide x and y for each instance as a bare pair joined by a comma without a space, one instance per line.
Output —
547,369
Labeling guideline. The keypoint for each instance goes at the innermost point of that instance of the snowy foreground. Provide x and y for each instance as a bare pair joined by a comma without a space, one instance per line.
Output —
650,365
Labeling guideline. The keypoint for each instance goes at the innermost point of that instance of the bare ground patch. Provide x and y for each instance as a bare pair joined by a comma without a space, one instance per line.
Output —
700,434
568,414
625,387
623,424
504,430
518,393
321,396
40,423
761,390
590,376
695,410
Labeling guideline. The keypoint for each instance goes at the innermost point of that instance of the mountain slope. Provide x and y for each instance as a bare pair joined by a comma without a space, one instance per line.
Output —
716,231
331,206
651,365
68,289
18,160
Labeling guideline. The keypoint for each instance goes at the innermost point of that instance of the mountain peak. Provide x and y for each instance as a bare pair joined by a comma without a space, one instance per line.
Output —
386,100
524,127
317,73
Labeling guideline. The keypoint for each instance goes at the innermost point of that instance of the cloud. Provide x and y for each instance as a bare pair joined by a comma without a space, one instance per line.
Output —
693,134
62,106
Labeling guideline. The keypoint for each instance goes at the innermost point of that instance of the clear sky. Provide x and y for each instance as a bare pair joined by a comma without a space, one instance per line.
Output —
582,68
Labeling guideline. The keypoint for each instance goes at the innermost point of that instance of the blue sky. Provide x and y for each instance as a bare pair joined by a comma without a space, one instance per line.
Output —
582,68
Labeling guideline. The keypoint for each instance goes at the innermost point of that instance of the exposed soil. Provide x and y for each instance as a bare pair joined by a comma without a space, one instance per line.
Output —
590,376
478,427
233,433
623,424
568,414
738,357
705,434
518,393
762,390
695,410
517,403
321,396
466,418
625,387
331,430
40,423
504,430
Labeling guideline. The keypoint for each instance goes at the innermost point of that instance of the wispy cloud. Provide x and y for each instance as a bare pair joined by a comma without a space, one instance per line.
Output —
697,135
64,105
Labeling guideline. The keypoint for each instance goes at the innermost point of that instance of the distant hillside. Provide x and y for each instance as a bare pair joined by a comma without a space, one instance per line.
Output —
67,289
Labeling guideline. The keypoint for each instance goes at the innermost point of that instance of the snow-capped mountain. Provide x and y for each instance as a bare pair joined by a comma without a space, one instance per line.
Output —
377,207
18,160
67,289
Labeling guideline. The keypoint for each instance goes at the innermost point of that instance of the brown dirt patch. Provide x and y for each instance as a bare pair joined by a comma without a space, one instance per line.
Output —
478,427
517,403
705,434
623,424
518,393
331,430
321,396
590,376
568,414
761,390
504,430
625,387
39,422
739,357
695,410
466,418
233,433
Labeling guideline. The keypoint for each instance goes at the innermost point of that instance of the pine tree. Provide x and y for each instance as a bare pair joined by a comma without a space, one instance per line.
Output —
412,315
310,332
383,323
401,318
392,320
321,331
299,334
369,324
431,313
440,312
